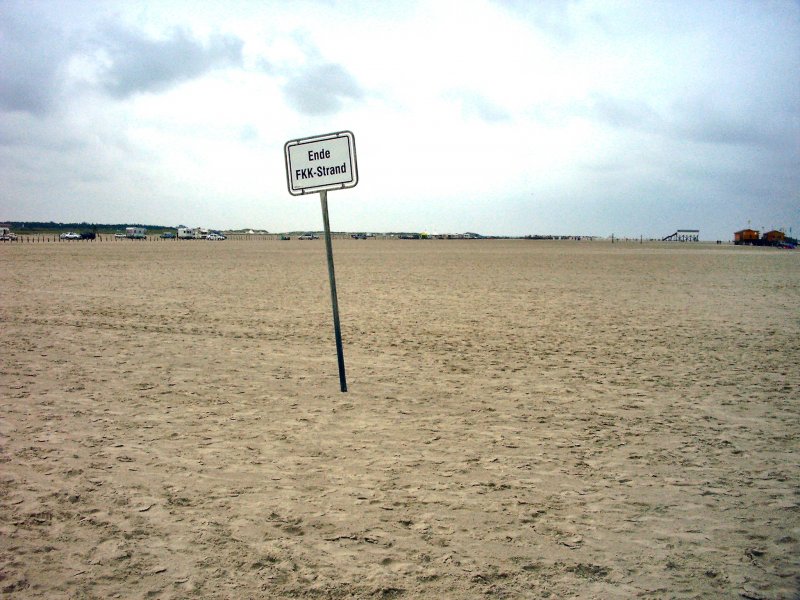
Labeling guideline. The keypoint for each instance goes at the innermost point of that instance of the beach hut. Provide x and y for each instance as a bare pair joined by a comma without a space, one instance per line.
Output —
774,237
745,236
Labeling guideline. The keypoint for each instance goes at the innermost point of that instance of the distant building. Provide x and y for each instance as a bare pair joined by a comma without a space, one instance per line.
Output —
745,236
774,237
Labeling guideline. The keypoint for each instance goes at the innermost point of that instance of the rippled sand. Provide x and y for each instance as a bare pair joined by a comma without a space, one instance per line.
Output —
525,419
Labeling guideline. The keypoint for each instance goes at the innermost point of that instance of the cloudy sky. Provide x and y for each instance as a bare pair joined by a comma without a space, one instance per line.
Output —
508,117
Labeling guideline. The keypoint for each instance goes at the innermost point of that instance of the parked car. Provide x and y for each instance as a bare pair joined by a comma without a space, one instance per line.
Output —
308,236
168,236
286,238
70,235
215,237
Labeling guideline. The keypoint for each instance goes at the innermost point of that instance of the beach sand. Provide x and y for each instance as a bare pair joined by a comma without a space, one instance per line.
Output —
525,419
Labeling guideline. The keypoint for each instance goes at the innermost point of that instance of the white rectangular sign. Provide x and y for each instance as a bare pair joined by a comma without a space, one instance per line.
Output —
322,162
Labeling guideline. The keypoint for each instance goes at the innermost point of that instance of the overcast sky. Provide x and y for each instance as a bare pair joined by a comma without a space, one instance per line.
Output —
507,117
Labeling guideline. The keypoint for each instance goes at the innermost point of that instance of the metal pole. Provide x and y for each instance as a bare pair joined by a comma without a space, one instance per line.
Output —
323,196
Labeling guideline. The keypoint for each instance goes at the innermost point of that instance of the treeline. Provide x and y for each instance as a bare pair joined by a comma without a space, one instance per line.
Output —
53,227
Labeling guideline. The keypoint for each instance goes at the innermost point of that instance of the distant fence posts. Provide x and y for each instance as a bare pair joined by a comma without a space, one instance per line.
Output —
44,238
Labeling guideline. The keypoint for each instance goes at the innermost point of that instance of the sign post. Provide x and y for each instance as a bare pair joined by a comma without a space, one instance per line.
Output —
337,330
318,164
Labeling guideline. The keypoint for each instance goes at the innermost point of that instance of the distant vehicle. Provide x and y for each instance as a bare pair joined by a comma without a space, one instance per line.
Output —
308,236
136,233
70,235
359,236
192,233
88,235
120,236
168,236
285,238
215,237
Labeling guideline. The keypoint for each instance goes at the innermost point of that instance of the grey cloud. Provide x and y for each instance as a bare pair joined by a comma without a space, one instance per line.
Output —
141,64
27,130
717,129
33,57
321,89
703,121
37,44
623,113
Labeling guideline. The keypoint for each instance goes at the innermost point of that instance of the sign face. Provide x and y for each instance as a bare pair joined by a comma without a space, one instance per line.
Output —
322,162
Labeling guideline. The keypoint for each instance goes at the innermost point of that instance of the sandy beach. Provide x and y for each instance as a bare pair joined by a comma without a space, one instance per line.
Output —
525,419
